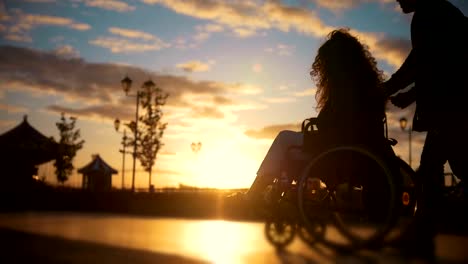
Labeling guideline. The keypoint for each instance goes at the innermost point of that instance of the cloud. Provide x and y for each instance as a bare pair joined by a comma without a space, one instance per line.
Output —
391,50
339,5
253,16
336,4
17,25
12,108
3,12
118,45
221,100
130,33
113,5
67,51
7,124
126,42
96,86
201,36
279,100
244,32
194,66
207,112
396,49
106,111
237,13
307,92
40,1
209,28
270,132
245,88
281,49
203,33
213,28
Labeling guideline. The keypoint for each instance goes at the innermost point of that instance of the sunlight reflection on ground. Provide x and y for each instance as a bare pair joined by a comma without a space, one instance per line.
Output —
216,241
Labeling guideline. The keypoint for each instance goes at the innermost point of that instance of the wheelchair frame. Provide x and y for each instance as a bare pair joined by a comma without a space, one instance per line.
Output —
281,228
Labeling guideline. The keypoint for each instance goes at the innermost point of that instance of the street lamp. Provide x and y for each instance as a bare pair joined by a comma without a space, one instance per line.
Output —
403,124
123,151
126,86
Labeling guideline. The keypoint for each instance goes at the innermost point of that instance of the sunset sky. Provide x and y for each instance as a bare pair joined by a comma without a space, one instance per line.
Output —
237,72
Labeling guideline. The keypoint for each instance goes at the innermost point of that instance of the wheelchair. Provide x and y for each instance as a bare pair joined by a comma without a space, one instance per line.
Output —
345,197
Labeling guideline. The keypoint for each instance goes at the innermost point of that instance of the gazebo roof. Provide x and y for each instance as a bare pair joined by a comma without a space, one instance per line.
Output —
97,165
30,144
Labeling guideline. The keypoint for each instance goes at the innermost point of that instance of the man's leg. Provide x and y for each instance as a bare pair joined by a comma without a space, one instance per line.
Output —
431,170
430,175
457,144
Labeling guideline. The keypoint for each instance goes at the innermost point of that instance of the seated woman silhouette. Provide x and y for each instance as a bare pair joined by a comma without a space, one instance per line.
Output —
349,98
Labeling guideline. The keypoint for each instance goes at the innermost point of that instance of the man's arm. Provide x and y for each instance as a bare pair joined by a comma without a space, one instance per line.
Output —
403,77
402,100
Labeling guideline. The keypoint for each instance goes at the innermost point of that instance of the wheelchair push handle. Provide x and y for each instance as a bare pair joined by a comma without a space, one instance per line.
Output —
309,124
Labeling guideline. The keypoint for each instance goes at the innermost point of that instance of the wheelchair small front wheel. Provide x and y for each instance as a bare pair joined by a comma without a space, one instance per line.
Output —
280,233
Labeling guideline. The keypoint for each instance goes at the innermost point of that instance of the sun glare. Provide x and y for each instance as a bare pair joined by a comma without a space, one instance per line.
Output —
221,241
224,167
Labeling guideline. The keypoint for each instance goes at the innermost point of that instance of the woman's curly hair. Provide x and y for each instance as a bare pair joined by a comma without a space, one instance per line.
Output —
344,70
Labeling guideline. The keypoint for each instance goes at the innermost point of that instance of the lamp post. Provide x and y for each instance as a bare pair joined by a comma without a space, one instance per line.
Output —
126,85
123,151
403,124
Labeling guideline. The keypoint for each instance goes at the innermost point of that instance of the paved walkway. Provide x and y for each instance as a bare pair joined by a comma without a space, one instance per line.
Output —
20,247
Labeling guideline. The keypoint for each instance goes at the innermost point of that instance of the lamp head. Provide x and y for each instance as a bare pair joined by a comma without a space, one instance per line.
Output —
403,123
126,84
116,124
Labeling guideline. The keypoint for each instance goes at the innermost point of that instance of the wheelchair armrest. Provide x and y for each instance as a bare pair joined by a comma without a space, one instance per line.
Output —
392,141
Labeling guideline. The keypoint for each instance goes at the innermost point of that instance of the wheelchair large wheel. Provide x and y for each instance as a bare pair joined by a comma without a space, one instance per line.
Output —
280,233
410,193
358,196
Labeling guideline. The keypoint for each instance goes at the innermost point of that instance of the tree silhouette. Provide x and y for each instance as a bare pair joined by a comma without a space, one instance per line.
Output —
69,145
151,128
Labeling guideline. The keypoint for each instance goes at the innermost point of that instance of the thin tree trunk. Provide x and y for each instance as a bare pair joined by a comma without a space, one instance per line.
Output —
149,184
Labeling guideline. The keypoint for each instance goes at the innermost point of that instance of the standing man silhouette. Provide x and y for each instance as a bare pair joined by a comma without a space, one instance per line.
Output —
437,65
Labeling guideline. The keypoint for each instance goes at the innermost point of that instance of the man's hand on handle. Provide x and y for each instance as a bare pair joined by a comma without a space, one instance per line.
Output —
402,100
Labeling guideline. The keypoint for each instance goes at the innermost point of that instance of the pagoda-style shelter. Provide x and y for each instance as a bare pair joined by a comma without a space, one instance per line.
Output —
23,149
97,175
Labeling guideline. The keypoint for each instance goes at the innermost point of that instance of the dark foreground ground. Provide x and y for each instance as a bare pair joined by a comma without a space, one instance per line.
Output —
19,247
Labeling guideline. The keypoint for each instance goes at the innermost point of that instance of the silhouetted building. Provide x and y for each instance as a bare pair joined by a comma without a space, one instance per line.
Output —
97,175
23,149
